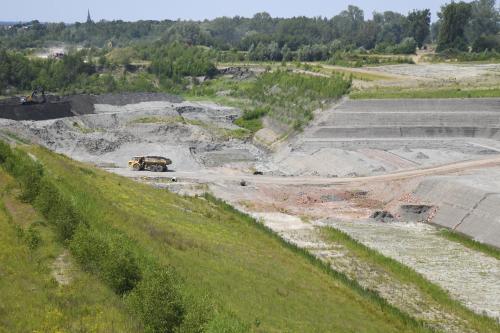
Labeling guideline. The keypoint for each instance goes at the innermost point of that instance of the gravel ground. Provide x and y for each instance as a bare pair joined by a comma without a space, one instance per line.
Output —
468,275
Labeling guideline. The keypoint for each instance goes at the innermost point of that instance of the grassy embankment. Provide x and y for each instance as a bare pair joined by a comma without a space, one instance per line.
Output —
194,260
407,275
286,97
31,299
470,243
395,93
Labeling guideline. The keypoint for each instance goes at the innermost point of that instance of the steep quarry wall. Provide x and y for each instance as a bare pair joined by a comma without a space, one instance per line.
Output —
469,204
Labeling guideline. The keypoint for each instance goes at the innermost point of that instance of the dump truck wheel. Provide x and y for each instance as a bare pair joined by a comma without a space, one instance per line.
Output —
136,167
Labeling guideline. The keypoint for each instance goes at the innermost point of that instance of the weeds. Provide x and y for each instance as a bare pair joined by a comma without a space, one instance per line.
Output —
470,243
394,93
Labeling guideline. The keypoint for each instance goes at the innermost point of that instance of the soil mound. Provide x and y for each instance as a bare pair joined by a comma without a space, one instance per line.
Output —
74,105
50,110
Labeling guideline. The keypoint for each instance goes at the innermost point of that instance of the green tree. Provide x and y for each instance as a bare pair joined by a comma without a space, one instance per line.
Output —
485,20
287,53
419,22
454,18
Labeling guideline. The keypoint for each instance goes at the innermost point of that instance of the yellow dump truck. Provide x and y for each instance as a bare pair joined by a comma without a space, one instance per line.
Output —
149,163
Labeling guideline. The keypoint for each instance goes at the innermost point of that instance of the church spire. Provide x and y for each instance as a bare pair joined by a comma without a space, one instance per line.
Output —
89,19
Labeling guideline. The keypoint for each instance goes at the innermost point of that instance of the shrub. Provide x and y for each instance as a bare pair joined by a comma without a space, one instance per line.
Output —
33,238
486,43
57,209
407,46
119,266
158,302
5,152
110,257
26,171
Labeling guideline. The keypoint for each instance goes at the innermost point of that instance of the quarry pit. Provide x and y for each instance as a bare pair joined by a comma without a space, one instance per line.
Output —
429,163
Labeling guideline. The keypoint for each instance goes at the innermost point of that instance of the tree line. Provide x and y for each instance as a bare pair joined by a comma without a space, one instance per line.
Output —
459,26
90,71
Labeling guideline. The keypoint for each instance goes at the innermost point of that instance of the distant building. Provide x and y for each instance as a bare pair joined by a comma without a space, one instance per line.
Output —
89,19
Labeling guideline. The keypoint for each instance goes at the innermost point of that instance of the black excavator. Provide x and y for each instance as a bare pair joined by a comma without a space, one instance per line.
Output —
36,97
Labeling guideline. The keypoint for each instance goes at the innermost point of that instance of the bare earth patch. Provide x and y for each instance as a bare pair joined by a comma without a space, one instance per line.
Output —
62,268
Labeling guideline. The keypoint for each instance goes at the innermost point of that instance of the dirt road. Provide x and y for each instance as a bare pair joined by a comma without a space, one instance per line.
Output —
221,175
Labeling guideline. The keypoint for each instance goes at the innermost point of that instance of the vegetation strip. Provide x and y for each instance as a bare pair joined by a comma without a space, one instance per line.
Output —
481,323
470,243
385,93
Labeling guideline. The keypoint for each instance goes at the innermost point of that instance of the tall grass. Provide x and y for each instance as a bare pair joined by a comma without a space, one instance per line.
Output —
470,243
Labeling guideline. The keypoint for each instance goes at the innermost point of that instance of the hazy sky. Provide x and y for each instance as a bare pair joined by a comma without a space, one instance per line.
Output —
132,10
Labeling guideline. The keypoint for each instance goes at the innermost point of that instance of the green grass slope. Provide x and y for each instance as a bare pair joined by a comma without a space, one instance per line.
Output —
31,300
249,278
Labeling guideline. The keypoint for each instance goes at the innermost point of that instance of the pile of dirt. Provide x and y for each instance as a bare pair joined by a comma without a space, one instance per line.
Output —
50,110
75,105
82,104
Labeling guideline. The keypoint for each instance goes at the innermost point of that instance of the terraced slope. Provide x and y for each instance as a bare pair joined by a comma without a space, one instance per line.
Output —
365,137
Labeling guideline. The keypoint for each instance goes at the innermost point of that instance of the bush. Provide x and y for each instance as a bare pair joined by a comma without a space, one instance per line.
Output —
486,43
33,238
252,119
120,268
26,171
407,46
256,113
158,302
57,209
109,257
5,152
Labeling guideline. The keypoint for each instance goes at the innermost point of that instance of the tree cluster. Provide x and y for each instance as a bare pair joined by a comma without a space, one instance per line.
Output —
462,25
350,28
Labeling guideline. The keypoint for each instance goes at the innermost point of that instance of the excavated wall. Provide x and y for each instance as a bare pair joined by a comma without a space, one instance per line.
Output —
469,204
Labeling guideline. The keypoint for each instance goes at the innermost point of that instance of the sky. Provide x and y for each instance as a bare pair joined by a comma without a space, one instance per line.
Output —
132,10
